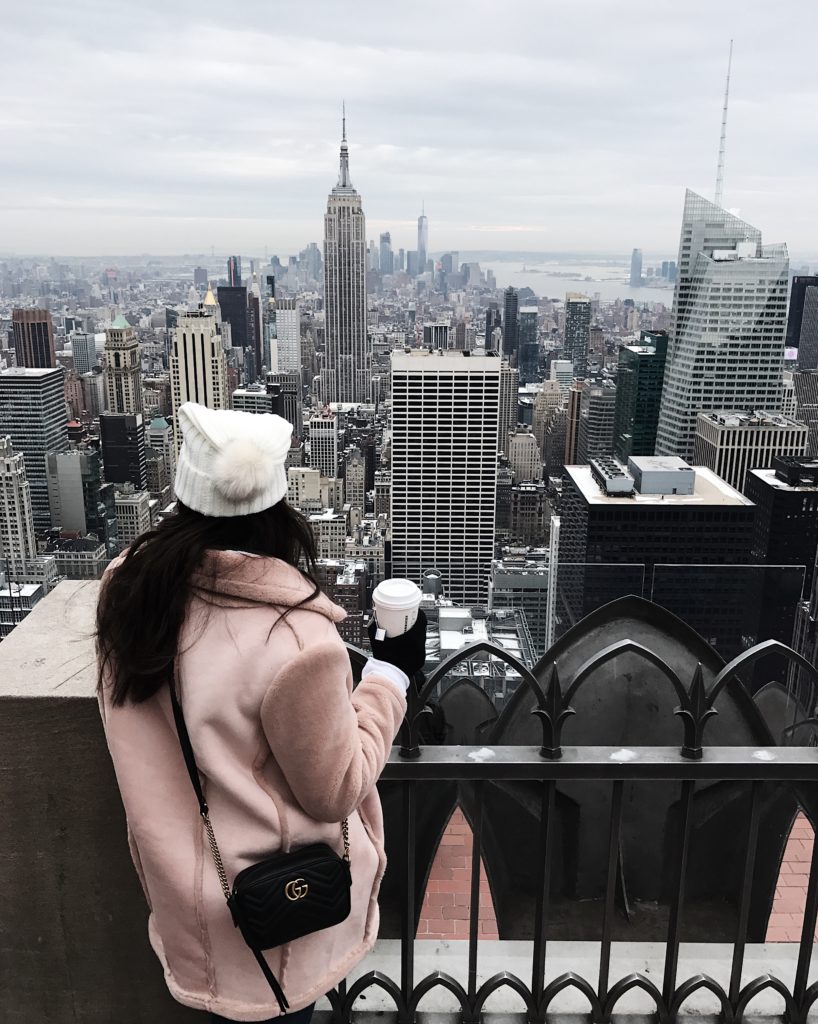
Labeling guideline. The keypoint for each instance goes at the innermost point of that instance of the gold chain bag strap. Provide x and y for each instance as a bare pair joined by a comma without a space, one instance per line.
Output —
282,897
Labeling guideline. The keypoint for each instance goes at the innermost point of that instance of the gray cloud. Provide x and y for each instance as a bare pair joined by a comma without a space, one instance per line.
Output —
530,125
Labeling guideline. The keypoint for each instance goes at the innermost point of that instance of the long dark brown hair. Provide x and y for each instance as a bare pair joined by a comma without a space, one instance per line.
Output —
143,602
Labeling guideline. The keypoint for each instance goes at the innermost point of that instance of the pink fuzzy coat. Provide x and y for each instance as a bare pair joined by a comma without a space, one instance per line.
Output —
285,750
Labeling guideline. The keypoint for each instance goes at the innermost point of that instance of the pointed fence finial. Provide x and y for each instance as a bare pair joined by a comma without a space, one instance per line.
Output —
722,140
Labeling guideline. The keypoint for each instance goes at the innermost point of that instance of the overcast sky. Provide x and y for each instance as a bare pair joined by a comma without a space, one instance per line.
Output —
171,127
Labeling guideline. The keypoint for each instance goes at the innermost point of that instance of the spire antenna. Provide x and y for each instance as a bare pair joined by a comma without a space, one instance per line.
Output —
344,119
722,140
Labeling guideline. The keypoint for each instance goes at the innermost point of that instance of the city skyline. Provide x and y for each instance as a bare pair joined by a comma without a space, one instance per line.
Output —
557,139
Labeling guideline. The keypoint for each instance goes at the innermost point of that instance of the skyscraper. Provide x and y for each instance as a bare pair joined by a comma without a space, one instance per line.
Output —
234,271
123,448
423,241
732,443
387,256
81,501
636,268
84,351
324,442
577,331
805,386
528,358
123,372
288,335
198,366
233,309
511,324
289,386
597,408
348,362
445,417
17,544
32,414
494,319
729,313
33,338
639,379
507,419
802,321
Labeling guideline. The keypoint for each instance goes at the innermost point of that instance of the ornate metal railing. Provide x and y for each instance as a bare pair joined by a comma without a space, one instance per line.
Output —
790,768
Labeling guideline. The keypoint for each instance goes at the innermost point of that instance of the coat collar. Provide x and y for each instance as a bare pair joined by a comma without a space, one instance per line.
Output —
234,579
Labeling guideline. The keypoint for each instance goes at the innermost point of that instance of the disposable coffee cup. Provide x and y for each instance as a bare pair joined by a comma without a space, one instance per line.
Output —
396,604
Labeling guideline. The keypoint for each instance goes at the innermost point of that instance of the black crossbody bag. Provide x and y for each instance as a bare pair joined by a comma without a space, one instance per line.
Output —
281,897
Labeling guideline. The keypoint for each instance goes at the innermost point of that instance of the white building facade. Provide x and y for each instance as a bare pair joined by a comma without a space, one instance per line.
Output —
198,365
17,543
445,419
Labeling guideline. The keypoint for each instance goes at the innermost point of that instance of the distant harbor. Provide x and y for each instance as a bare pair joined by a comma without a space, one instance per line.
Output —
549,279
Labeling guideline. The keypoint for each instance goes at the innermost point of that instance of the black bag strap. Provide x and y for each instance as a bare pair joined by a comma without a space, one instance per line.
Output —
193,772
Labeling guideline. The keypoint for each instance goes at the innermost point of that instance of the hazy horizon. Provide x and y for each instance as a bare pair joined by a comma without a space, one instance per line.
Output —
168,130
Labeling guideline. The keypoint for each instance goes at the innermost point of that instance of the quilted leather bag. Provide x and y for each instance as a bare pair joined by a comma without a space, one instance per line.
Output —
282,897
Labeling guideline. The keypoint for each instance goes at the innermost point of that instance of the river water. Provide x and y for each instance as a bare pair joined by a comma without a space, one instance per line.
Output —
551,280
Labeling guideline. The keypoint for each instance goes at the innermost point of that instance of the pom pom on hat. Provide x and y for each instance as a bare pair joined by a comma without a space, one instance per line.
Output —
241,470
231,463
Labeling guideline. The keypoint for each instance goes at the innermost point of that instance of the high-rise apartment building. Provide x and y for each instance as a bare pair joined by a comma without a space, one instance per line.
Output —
511,324
32,414
323,427
423,242
572,409
520,582
802,321
547,399
509,388
597,409
123,372
288,336
123,448
200,277
17,542
81,502
198,366
729,315
33,338
234,271
445,418
346,375
733,443
159,438
639,380
636,268
528,358
93,391
577,331
84,351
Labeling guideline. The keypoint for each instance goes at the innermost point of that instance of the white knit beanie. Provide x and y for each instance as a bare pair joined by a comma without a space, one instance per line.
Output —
231,463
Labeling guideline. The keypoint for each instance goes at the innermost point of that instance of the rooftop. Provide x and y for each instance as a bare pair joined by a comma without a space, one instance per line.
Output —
709,490
749,418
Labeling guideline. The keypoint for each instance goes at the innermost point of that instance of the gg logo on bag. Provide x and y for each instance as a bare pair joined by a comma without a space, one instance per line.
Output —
297,889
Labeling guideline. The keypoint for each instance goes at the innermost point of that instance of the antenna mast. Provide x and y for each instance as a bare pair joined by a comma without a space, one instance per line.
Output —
720,169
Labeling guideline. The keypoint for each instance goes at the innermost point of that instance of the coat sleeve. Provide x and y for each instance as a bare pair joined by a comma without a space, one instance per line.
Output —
330,743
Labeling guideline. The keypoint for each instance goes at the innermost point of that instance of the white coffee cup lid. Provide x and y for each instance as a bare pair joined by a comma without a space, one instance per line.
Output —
397,593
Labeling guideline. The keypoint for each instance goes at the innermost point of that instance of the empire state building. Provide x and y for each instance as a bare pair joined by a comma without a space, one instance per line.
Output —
347,372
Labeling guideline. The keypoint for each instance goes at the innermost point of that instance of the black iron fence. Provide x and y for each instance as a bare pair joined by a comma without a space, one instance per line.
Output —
773,781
